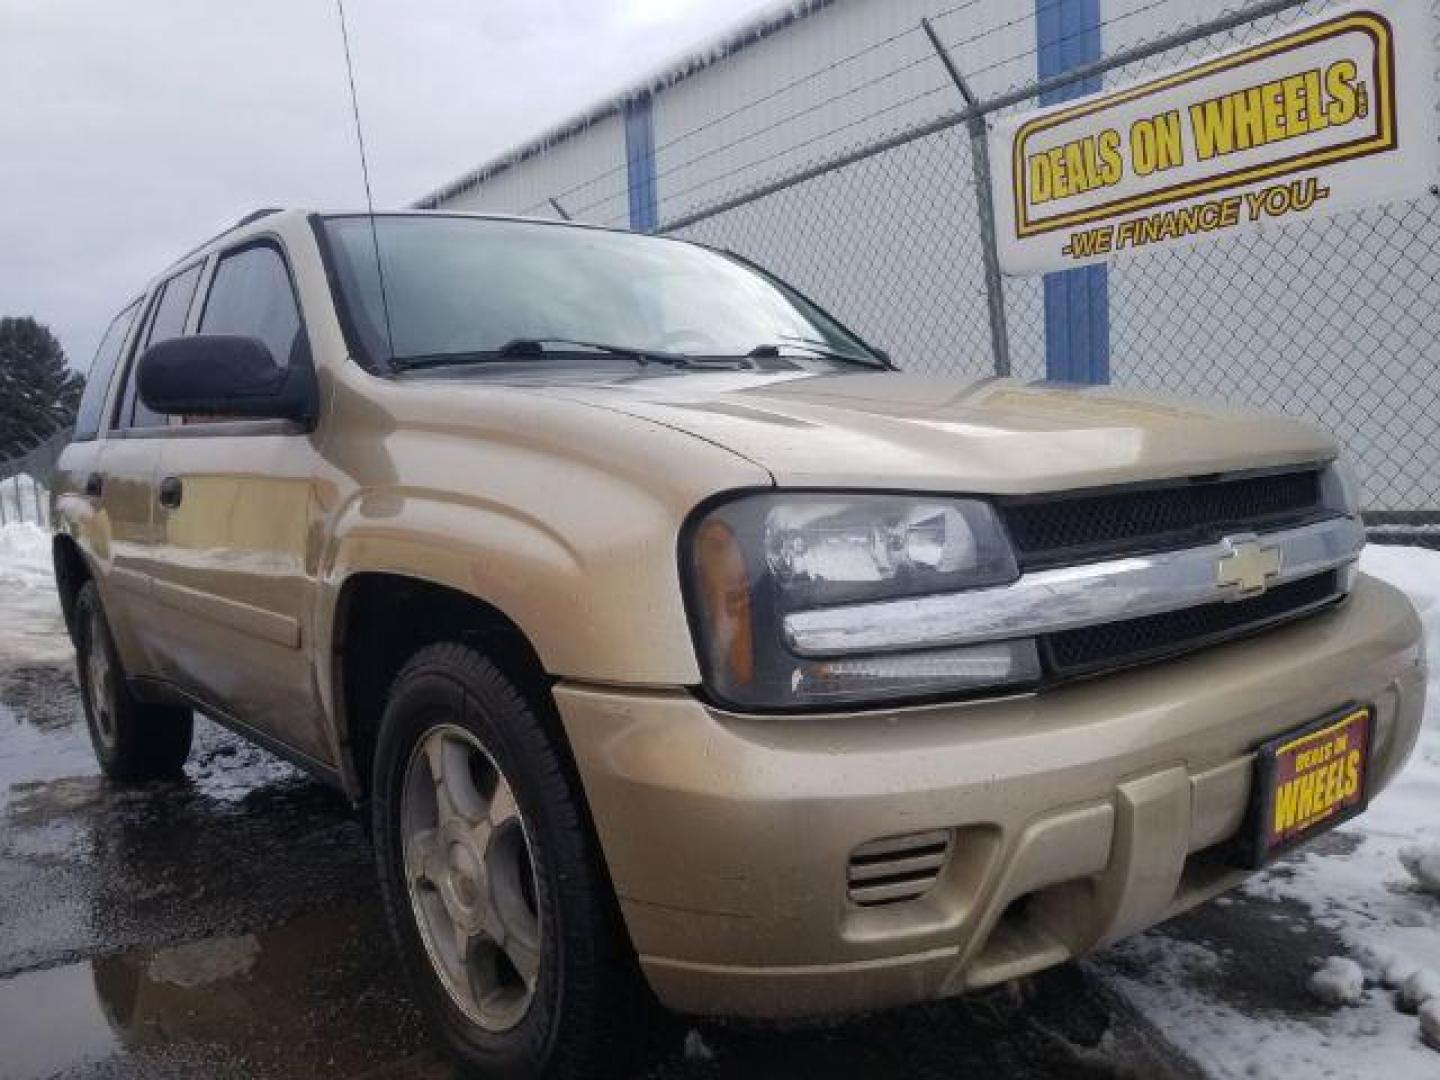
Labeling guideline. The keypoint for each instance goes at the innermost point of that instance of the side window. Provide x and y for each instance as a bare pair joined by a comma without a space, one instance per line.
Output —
167,320
102,369
251,295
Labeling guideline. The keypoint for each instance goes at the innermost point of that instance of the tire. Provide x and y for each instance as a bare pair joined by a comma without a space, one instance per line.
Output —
133,742
453,715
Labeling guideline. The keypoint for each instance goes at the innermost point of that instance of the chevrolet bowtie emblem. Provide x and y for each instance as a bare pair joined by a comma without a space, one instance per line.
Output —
1247,567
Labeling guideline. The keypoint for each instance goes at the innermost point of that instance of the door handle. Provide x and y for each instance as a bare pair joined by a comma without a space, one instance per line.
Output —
94,486
171,492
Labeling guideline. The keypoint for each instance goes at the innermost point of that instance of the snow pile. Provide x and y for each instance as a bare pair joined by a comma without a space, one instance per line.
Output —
31,629
1420,987
1387,967
18,499
1423,862
25,556
1338,982
1430,1023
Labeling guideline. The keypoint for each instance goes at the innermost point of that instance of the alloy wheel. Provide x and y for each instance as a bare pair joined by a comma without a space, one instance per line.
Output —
470,875
99,681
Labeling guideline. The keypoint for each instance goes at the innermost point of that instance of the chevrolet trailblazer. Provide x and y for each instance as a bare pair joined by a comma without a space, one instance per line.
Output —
678,646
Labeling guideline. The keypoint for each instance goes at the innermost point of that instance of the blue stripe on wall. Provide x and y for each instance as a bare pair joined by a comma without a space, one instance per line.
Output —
640,165
1077,302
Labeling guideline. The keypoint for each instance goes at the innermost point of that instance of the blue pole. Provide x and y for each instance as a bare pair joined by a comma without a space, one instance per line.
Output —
640,165
1077,302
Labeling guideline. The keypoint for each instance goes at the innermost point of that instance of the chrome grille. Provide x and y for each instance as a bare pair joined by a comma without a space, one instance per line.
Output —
897,869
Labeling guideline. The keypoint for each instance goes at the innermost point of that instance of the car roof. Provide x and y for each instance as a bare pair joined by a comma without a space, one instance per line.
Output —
268,219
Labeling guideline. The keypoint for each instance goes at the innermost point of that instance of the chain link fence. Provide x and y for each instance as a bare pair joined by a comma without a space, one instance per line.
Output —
1336,320
25,481
855,177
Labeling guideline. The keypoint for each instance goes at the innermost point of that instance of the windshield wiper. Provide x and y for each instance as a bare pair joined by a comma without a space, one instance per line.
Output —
521,348
815,348
539,346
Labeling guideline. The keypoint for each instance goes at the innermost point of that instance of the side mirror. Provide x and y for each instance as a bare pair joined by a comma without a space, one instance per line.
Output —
225,375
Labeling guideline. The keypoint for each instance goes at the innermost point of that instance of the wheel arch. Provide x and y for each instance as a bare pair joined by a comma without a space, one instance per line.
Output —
383,618
71,572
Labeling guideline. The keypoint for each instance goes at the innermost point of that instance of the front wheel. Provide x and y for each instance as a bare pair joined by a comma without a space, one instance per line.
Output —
494,891
133,741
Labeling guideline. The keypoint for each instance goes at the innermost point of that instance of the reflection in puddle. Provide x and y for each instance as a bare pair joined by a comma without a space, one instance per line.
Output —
262,1002
53,1020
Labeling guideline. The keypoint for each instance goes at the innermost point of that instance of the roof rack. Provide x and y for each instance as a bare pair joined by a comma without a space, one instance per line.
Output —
253,216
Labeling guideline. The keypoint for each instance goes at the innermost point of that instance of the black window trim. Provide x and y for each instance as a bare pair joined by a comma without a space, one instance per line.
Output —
101,427
152,297
236,428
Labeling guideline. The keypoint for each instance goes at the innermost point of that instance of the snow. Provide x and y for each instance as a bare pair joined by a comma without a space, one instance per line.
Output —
17,499
1338,982
1419,988
1389,967
1358,890
1423,862
30,626
696,1048
1430,1023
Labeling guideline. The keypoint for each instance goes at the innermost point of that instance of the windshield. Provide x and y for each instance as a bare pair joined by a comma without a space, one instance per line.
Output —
459,289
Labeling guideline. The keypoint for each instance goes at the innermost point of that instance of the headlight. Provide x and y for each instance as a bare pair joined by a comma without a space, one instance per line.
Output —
1340,490
752,561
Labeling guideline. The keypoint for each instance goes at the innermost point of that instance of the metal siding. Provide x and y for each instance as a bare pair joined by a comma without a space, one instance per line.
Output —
857,240
803,94
589,167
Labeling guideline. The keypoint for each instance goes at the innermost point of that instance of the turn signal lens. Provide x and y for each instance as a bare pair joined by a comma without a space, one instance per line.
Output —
725,599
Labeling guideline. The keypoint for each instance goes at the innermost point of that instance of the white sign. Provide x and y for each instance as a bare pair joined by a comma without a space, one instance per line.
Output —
1333,113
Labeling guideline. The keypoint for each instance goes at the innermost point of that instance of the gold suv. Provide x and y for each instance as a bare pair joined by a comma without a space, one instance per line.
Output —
679,646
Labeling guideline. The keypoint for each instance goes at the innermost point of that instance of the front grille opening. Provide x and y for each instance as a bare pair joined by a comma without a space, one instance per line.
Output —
1065,529
897,869
1091,649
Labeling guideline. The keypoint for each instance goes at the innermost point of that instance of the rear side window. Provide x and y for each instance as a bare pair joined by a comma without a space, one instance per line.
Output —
102,369
251,295
167,320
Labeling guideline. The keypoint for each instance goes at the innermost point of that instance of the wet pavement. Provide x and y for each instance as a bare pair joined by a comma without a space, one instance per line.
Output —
227,925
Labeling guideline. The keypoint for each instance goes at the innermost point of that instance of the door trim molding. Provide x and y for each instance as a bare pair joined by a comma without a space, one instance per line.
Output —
247,618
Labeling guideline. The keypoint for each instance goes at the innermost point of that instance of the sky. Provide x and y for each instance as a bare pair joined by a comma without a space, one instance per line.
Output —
133,131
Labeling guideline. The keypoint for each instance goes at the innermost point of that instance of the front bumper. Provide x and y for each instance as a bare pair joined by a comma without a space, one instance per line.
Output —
1074,816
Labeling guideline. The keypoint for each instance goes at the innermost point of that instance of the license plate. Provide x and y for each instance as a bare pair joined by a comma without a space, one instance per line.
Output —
1308,781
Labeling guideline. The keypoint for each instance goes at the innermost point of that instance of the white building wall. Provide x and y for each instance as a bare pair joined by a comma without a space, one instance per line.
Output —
588,168
901,256
843,77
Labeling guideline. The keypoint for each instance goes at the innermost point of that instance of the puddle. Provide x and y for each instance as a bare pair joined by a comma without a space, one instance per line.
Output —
42,734
316,998
52,1020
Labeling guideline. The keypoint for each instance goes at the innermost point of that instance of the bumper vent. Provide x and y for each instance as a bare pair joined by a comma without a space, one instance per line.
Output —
1064,529
897,869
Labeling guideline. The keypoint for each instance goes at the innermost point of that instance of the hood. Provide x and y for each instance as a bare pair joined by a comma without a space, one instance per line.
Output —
896,430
